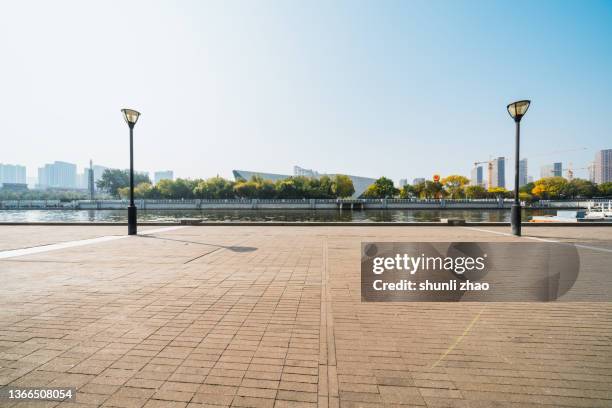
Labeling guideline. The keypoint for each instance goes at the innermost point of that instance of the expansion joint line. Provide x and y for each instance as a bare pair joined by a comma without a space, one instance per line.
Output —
328,373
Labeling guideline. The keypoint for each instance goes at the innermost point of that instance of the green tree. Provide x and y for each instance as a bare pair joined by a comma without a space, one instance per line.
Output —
214,188
526,188
454,185
579,188
114,179
343,186
605,189
407,191
433,189
419,189
246,189
475,192
177,189
381,188
289,188
498,192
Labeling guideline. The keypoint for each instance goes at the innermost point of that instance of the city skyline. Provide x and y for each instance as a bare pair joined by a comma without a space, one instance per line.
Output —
394,89
490,176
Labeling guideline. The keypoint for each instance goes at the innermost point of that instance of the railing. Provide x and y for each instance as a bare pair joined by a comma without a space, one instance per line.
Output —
291,203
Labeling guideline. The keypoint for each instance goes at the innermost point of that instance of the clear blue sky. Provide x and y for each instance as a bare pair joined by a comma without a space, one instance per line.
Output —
395,88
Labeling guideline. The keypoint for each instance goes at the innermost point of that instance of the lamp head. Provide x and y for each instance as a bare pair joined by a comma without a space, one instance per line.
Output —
130,116
518,109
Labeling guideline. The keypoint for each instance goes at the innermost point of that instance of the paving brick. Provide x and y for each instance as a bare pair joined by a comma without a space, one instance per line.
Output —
130,323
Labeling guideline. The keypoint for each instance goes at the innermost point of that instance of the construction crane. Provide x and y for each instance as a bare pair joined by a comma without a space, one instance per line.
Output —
570,170
489,164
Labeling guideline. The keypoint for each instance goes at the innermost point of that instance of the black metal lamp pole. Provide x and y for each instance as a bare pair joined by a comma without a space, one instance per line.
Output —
517,110
131,116
515,214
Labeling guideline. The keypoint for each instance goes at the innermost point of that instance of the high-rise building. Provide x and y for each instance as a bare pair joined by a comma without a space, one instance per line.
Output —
163,175
12,173
84,179
418,180
523,177
402,182
477,176
498,173
58,175
552,170
602,167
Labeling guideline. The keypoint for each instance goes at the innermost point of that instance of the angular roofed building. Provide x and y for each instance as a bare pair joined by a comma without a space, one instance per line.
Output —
359,183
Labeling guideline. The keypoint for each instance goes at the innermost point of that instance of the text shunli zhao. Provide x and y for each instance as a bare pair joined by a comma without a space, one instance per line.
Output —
423,264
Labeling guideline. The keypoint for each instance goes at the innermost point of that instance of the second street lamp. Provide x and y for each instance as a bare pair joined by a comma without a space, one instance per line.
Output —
517,110
131,117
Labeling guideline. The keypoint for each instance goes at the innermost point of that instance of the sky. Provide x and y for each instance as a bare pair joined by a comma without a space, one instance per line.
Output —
403,89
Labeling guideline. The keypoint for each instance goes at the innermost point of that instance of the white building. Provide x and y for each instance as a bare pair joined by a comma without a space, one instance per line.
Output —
477,177
552,170
163,175
58,175
12,173
498,173
418,180
403,182
602,167
299,171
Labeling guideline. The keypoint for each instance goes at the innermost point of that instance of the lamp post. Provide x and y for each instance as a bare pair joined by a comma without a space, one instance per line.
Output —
131,117
517,110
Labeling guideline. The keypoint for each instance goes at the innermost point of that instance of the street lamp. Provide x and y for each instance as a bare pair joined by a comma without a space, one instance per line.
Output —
131,117
517,110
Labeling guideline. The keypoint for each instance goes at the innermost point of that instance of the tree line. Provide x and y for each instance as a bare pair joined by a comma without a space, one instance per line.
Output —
457,187
116,183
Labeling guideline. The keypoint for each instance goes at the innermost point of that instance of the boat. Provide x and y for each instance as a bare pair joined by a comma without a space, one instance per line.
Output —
595,212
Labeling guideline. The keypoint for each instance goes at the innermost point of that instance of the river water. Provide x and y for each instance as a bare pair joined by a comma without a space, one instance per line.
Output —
263,215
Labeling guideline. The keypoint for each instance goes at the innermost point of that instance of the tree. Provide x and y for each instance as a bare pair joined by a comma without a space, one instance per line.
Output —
114,179
407,191
498,191
549,187
454,184
526,188
382,188
433,189
419,190
343,186
214,188
605,189
475,192
245,189
289,188
579,188
523,196
177,189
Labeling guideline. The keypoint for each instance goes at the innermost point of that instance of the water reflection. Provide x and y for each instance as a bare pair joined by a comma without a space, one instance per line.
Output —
263,215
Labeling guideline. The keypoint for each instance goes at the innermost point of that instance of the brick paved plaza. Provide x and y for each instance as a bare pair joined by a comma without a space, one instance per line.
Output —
272,317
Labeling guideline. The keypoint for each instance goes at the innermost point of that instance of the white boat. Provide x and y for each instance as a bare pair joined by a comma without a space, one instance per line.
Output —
596,212
599,211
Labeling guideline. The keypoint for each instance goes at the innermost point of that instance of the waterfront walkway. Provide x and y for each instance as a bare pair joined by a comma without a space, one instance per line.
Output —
272,317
